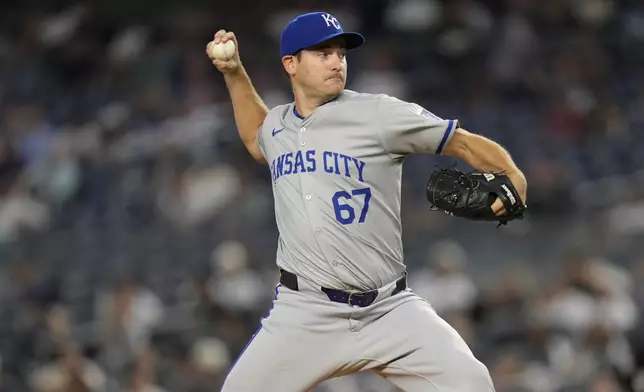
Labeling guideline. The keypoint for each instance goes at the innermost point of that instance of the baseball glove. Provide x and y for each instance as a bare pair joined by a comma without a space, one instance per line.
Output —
471,195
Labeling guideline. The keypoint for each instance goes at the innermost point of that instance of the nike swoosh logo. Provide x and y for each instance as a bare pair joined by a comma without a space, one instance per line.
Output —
276,131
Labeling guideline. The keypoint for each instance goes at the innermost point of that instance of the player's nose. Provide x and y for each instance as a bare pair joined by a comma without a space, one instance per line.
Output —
336,62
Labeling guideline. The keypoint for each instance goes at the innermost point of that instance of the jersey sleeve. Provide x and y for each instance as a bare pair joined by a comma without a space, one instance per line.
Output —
408,128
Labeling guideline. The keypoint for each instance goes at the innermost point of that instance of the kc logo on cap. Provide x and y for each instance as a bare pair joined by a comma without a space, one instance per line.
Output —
331,20
314,28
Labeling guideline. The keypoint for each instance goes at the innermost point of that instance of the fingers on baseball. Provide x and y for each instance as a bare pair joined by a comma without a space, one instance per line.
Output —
223,65
219,35
223,36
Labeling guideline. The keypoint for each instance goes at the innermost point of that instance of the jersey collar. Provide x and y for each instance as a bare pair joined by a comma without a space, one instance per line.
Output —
298,116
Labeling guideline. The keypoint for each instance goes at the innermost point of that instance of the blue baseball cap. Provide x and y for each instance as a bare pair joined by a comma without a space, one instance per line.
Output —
314,28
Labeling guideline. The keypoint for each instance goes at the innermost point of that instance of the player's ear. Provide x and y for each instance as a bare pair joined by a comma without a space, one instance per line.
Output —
289,63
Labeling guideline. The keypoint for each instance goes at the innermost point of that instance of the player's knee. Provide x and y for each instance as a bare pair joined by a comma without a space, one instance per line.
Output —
475,377
234,385
229,385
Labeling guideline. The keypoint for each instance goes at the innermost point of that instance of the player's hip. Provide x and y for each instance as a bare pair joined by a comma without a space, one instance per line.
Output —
328,265
304,306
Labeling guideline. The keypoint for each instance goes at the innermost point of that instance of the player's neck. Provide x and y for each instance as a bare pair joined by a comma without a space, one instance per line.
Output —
304,108
305,105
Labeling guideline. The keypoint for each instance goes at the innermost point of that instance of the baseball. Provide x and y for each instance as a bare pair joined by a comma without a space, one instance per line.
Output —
222,51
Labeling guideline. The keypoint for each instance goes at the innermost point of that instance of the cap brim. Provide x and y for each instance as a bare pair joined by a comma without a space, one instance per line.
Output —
351,40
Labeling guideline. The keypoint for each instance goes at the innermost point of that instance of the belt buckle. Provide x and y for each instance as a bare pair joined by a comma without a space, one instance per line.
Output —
356,293
350,295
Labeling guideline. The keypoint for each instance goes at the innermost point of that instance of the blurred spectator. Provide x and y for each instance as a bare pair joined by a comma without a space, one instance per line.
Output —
126,317
55,178
444,281
507,374
212,360
626,218
70,372
141,374
382,77
191,195
29,127
593,292
412,15
234,286
19,210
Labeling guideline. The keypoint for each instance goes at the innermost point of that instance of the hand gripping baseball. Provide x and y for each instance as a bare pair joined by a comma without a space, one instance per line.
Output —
223,51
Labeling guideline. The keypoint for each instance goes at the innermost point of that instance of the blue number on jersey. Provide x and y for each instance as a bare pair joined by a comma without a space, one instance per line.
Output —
344,213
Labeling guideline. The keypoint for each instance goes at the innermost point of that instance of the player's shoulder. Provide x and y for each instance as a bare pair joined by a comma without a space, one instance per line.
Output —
392,104
383,104
359,97
380,100
279,111
276,115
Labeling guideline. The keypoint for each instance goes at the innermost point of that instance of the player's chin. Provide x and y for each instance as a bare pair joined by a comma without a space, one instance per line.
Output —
334,86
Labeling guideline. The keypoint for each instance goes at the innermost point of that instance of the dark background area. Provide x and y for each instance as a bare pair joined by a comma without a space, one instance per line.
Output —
137,237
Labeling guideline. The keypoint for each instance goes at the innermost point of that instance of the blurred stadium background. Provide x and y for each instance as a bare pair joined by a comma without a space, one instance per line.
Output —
137,238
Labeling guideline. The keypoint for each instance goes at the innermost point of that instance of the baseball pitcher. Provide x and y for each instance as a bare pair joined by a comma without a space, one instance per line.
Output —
335,157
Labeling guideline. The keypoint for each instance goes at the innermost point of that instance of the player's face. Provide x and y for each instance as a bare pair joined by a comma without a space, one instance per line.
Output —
322,71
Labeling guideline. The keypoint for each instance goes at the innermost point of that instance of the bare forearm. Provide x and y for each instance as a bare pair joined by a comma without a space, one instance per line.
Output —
486,155
249,109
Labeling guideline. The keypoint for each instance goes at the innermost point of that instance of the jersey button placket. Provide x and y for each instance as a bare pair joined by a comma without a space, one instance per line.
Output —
303,180
309,204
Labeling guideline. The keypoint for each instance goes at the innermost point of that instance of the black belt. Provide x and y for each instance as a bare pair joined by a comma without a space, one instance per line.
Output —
360,299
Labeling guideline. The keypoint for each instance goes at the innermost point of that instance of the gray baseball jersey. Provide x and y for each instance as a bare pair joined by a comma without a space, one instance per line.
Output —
336,178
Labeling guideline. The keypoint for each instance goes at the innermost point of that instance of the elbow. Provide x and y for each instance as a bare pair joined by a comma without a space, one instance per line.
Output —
255,152
260,159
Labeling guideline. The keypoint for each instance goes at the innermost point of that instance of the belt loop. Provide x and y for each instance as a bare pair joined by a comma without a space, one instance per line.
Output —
289,280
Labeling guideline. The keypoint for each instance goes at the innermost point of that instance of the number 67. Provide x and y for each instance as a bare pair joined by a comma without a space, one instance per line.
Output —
342,210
